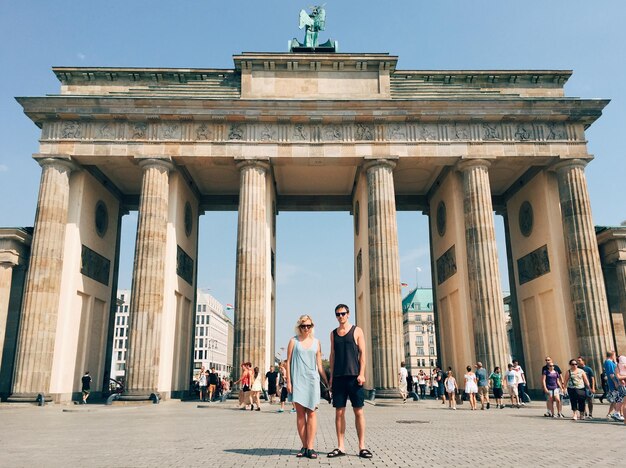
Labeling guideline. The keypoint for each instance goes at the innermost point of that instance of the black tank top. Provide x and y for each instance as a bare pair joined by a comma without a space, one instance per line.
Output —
346,354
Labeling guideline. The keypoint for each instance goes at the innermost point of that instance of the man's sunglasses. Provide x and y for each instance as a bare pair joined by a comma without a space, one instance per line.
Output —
340,314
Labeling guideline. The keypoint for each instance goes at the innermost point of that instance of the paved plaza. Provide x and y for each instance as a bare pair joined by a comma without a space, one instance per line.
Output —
189,434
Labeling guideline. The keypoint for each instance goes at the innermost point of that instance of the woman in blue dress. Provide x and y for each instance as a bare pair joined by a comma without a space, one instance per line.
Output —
304,369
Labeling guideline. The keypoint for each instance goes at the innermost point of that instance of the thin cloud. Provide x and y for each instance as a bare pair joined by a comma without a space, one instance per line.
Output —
287,272
4,168
415,254
81,56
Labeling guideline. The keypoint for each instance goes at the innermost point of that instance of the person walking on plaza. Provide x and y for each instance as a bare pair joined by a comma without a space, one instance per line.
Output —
552,387
559,401
471,387
441,378
451,389
511,379
86,386
271,379
496,384
576,381
613,395
255,390
421,383
521,386
282,376
246,381
483,386
202,383
214,383
591,392
347,376
620,373
402,381
304,369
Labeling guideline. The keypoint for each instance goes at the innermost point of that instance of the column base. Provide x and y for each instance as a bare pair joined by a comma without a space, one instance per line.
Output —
38,398
387,394
141,395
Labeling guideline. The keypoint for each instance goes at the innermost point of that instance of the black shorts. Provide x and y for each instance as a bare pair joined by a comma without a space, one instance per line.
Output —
347,387
271,390
284,394
245,388
497,392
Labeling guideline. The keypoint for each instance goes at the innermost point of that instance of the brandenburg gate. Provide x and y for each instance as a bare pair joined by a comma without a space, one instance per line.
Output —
307,131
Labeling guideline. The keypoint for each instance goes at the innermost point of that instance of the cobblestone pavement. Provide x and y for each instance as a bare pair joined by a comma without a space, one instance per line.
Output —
188,434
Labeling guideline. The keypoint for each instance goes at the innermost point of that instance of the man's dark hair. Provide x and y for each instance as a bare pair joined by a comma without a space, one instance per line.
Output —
342,306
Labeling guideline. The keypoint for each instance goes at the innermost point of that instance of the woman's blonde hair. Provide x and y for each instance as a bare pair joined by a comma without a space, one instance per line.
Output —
303,318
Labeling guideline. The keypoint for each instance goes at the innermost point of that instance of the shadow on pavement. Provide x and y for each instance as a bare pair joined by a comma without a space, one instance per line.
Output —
263,452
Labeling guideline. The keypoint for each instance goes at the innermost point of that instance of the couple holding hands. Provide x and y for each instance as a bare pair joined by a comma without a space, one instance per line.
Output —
347,376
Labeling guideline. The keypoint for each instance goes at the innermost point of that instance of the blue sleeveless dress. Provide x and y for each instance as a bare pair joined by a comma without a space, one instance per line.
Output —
305,378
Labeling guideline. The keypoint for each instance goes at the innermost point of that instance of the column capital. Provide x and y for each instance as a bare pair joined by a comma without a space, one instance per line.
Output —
60,164
256,163
468,164
156,162
9,259
379,162
567,164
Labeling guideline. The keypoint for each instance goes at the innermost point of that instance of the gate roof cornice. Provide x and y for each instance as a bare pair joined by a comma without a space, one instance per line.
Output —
510,108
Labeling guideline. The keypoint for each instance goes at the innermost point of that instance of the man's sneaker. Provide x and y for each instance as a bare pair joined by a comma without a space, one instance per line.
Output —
280,410
561,415
617,417
548,414
293,410
488,405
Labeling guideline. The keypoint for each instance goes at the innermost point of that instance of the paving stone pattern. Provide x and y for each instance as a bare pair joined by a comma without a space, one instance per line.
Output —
188,434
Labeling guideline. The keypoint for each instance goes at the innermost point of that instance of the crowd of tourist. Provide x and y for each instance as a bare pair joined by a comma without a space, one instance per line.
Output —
577,383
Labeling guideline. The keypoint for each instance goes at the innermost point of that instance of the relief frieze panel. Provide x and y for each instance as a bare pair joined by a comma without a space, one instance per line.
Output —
309,132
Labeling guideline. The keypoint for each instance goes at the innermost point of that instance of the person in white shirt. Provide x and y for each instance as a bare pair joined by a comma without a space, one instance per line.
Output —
402,376
511,381
421,382
521,386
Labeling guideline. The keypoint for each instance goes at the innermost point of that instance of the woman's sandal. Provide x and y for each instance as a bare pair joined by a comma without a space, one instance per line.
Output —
365,454
312,454
301,453
335,453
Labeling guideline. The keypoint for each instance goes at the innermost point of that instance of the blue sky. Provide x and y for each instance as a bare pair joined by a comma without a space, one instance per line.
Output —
314,257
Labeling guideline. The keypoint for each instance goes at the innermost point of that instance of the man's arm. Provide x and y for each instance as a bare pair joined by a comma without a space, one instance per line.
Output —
331,359
360,342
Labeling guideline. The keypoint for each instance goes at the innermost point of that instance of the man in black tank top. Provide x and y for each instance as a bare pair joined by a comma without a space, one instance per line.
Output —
347,376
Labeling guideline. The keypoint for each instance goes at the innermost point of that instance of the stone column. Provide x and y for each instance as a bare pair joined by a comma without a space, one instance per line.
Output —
490,339
251,275
385,295
620,273
6,276
38,325
591,311
146,303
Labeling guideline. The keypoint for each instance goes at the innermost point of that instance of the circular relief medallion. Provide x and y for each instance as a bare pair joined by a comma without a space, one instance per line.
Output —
441,218
188,219
102,218
526,218
357,218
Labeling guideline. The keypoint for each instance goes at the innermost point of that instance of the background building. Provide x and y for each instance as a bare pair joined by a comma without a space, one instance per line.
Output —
213,327
418,319
213,335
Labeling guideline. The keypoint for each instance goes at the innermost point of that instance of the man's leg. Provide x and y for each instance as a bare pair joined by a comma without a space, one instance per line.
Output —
340,427
359,420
